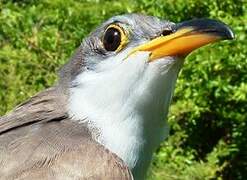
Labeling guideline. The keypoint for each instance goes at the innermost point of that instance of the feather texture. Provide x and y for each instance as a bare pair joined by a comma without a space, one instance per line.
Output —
39,141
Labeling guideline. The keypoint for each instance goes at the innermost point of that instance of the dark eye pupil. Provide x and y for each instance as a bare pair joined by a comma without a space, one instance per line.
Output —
112,39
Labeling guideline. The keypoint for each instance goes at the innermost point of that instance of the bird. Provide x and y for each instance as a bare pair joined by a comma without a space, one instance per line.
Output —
106,115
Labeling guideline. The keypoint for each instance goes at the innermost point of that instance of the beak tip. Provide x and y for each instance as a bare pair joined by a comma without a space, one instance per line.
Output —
229,34
225,32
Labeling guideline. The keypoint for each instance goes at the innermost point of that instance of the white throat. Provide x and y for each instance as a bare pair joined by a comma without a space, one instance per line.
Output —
128,104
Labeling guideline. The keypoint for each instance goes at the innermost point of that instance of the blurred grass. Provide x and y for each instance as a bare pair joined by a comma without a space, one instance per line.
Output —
208,117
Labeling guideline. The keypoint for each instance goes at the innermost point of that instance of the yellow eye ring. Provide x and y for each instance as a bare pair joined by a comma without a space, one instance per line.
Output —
115,38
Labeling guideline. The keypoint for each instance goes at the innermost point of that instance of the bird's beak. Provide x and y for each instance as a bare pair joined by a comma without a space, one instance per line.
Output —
187,36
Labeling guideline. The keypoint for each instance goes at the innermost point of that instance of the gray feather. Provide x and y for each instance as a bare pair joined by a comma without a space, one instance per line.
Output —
39,141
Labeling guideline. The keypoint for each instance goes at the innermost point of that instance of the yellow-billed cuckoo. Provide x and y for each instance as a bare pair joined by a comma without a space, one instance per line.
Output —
106,115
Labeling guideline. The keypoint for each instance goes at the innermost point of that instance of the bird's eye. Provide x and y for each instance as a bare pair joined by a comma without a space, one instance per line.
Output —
114,38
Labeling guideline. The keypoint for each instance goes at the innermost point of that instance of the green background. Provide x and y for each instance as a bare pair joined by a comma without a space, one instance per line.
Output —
208,138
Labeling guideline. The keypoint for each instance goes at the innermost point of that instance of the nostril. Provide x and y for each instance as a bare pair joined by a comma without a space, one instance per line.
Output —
166,32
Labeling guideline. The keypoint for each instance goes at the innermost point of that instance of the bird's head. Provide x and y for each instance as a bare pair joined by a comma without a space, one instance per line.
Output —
117,41
122,77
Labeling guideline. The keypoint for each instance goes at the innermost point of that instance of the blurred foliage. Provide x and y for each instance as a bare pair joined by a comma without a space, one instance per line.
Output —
208,138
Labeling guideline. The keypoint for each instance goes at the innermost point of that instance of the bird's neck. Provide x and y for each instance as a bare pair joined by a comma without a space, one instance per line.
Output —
135,141
131,133
128,110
